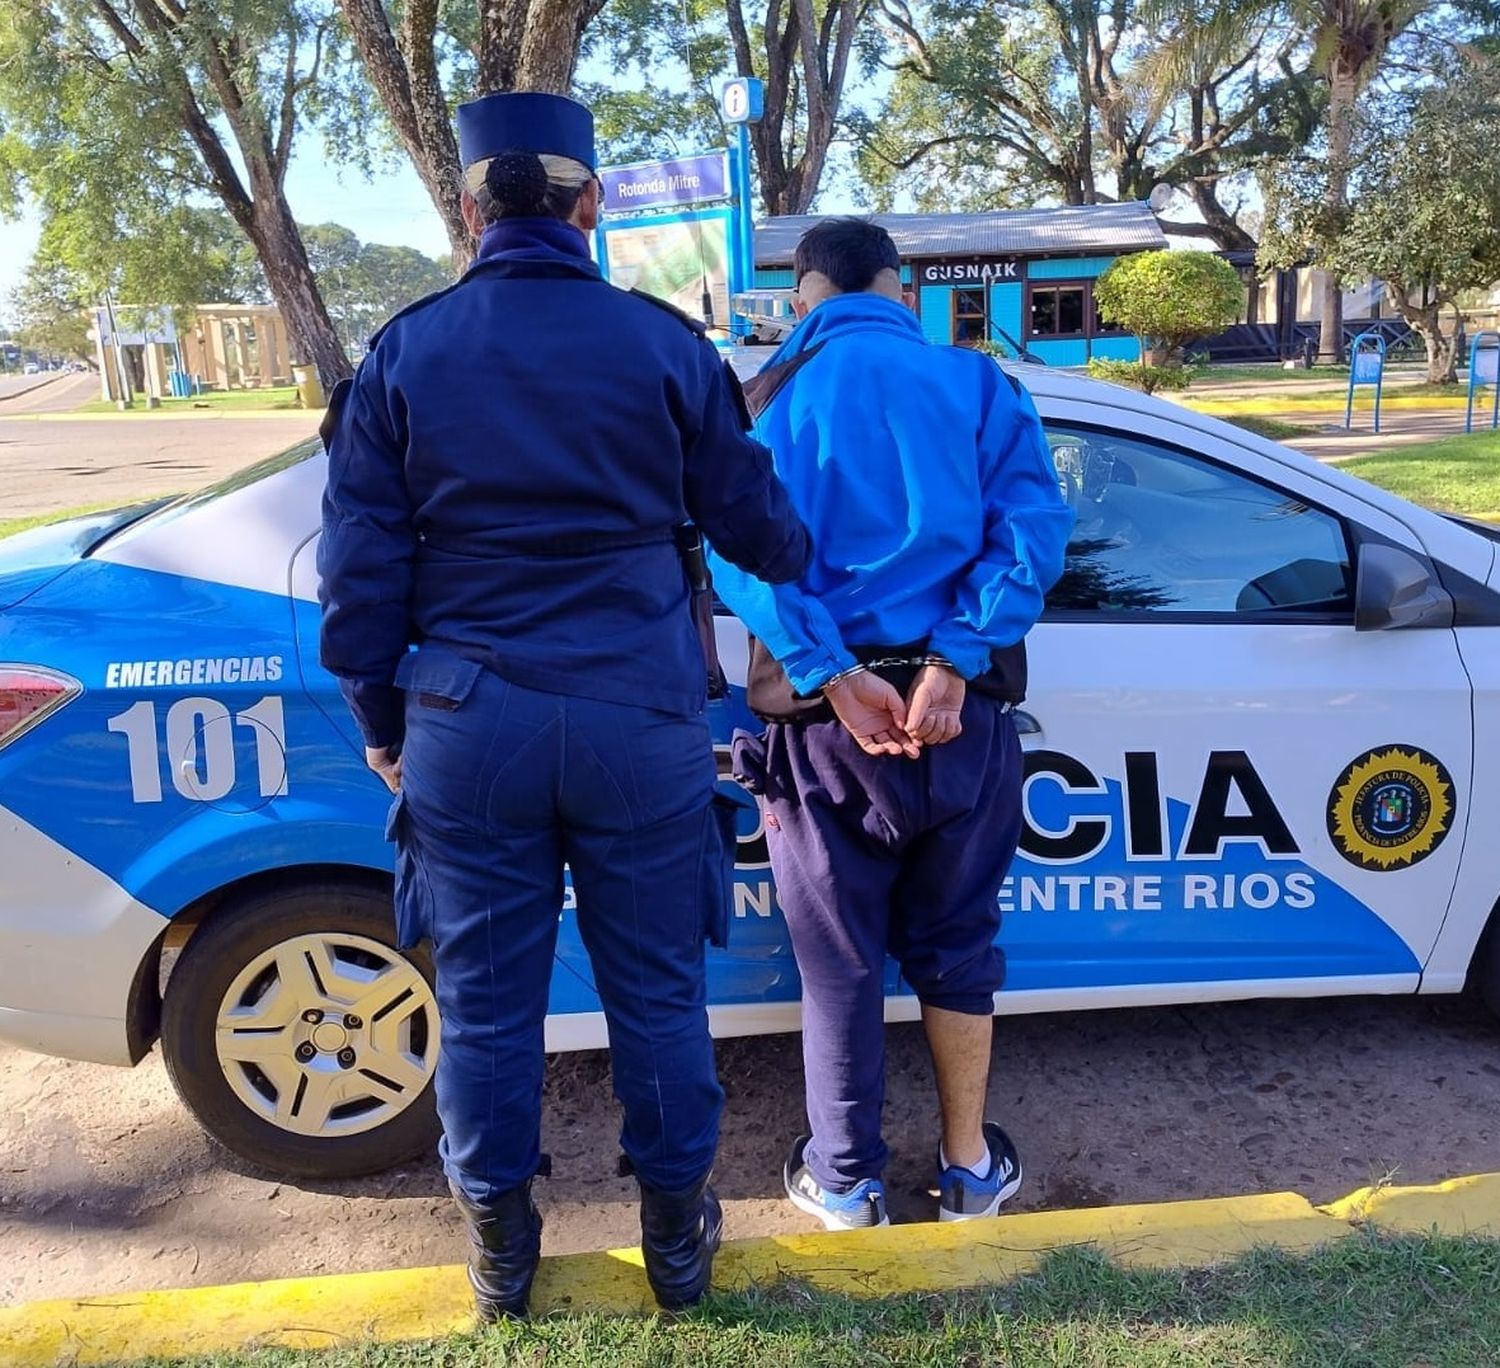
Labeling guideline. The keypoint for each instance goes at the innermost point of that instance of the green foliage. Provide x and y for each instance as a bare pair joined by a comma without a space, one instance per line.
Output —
125,121
1141,375
183,256
1168,299
1422,211
49,309
363,284
180,256
1424,195
668,59
990,105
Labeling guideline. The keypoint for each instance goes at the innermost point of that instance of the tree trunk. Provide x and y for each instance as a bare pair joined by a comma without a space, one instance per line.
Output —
293,286
1343,92
1426,320
549,44
413,101
1442,351
1222,225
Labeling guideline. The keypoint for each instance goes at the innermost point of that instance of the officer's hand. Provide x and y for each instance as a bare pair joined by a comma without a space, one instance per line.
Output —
379,759
874,714
934,705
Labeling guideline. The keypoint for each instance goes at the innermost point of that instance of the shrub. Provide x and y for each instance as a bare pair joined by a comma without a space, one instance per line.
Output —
1139,375
1169,299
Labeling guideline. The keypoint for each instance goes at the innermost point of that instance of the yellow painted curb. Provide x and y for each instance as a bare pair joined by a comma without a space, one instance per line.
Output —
1272,406
170,415
1461,1206
427,1303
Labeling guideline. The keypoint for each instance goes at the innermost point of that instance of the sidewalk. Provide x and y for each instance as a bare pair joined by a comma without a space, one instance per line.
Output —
1297,382
429,1303
1330,442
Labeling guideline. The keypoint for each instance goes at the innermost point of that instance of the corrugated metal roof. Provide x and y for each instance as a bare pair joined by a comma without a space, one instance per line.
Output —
1072,229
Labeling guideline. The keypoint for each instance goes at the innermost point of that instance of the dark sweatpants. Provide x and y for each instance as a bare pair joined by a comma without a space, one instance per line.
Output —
876,856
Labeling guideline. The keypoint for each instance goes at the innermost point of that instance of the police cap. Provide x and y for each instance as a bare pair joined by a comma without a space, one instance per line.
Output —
548,125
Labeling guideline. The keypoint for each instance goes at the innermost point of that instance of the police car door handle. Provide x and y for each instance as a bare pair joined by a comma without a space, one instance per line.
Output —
1026,724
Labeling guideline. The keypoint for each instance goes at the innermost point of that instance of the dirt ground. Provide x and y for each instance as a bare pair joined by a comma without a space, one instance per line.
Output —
107,1185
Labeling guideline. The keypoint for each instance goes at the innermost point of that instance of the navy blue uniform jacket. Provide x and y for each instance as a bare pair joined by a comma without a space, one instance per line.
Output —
505,473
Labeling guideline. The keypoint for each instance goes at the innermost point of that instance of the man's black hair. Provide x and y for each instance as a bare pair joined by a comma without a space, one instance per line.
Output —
851,252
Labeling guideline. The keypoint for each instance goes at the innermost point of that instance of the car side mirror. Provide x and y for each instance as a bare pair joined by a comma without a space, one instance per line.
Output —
1393,588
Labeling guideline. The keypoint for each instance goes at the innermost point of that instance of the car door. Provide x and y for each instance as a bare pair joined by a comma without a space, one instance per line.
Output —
1230,791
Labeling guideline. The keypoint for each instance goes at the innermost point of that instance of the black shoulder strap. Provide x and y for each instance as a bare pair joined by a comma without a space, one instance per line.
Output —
336,401
769,383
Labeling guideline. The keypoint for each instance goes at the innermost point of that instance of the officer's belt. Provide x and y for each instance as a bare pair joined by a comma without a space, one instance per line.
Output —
570,544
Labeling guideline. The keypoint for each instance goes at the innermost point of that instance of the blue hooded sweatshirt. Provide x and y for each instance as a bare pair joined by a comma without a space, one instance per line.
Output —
927,484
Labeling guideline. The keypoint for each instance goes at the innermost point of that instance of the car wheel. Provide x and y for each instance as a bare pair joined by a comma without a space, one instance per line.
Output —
1484,970
299,1036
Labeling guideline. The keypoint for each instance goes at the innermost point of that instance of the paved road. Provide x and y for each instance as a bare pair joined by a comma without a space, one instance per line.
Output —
48,463
106,1184
47,394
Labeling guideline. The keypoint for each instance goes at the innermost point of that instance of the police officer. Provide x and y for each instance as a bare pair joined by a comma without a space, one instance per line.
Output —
508,472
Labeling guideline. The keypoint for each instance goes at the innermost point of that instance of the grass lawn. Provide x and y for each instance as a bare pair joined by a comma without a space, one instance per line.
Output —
10,526
1269,373
219,401
1454,475
1365,1301
1277,429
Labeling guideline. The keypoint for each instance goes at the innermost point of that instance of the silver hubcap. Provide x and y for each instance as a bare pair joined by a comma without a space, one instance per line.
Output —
328,1035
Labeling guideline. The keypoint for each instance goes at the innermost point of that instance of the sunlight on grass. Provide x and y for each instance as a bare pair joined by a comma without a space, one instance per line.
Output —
283,397
1452,475
1367,1300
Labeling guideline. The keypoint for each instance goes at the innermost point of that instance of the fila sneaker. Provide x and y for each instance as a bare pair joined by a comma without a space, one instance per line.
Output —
963,1197
859,1209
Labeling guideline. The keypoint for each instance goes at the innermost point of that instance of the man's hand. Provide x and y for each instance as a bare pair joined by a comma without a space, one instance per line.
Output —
934,705
379,759
874,714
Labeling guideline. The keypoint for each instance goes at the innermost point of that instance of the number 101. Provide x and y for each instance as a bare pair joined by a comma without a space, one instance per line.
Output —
200,748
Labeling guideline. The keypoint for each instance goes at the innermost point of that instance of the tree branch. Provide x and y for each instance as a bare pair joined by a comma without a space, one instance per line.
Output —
287,127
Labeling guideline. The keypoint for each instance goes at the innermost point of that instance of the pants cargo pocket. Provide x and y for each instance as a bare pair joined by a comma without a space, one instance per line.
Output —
716,881
413,901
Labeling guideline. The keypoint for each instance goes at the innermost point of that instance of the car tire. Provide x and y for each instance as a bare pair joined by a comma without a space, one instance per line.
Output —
266,1042
1484,971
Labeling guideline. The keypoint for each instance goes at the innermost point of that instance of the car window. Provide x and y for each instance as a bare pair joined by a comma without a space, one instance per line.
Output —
1160,531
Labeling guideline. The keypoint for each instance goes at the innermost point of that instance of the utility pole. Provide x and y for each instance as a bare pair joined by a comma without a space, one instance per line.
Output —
124,401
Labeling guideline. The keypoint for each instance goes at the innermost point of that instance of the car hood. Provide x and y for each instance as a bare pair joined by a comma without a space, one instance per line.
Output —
30,560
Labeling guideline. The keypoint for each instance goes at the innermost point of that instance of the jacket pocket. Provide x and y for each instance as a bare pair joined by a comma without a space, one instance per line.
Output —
437,678
413,899
716,881
747,759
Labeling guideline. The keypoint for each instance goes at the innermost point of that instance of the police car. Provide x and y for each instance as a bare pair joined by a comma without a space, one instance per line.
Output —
1259,698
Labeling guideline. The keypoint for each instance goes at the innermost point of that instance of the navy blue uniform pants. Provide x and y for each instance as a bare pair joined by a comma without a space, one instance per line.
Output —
878,856
502,786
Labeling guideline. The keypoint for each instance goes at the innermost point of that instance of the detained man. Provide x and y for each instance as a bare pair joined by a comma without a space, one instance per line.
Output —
889,772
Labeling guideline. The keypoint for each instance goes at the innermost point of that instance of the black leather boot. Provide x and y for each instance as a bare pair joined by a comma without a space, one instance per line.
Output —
680,1234
506,1236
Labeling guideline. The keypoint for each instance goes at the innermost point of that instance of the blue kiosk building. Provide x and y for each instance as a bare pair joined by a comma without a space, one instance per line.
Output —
1023,279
